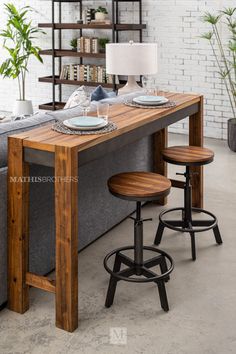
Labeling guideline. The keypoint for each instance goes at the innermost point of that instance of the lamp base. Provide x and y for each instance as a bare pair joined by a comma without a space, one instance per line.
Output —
131,86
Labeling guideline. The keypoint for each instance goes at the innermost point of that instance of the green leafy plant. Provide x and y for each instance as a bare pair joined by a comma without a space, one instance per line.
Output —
102,10
18,40
73,43
102,43
224,53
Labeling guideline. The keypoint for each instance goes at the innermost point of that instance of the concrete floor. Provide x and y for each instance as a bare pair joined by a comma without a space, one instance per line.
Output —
202,294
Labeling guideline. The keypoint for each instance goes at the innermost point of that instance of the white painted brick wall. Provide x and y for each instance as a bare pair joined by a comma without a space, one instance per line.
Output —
186,63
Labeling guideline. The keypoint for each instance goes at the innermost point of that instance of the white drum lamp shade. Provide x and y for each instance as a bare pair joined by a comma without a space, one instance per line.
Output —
131,59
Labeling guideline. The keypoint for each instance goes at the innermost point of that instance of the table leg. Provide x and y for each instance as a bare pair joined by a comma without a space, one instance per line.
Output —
196,139
18,227
66,207
160,142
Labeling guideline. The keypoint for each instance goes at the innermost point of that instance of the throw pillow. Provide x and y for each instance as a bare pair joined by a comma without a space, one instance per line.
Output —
76,98
99,94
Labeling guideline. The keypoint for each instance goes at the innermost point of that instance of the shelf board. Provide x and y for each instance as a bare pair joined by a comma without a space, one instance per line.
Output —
49,106
118,27
71,53
74,26
129,27
48,79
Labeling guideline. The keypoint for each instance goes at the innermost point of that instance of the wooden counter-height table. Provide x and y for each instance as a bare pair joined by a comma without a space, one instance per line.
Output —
66,153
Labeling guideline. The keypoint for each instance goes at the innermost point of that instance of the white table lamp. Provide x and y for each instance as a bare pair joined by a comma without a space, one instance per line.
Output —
131,59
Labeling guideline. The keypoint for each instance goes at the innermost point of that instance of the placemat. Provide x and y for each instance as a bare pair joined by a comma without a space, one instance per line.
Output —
169,104
61,128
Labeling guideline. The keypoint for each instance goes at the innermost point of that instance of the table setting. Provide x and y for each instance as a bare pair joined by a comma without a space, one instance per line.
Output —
152,97
149,98
151,102
86,124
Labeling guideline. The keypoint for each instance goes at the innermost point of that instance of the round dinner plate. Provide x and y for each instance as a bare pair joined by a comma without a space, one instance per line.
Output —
69,123
152,101
86,121
149,98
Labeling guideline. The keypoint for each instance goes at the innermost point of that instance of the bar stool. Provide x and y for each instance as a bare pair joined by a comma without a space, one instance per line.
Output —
188,156
139,187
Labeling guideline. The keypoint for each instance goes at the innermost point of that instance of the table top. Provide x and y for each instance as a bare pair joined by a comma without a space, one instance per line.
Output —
126,118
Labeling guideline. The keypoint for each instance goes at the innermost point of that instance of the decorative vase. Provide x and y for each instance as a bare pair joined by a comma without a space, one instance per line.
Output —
100,16
23,108
232,134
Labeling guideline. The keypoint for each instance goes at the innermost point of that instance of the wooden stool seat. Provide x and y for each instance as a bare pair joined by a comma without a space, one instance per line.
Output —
138,186
188,155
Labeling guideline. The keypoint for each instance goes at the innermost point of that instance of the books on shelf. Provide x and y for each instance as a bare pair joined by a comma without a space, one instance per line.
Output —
63,72
87,45
87,73
95,45
80,45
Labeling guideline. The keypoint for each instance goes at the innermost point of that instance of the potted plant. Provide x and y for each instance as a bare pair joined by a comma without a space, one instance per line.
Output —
224,52
73,44
18,40
102,44
100,13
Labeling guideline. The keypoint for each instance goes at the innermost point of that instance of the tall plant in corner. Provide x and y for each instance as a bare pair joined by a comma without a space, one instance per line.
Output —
225,56
18,38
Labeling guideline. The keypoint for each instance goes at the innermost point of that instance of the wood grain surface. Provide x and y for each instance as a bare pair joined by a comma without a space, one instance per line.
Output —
127,119
18,227
188,155
137,185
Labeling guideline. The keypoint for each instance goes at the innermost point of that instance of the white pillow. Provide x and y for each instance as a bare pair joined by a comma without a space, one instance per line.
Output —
76,98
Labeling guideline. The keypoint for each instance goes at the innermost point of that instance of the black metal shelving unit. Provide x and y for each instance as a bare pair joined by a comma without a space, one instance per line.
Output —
58,53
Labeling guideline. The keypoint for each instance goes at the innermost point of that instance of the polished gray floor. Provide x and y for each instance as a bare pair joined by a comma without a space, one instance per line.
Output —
202,294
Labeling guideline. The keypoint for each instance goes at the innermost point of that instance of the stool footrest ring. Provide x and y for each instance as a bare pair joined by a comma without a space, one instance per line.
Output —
143,269
195,225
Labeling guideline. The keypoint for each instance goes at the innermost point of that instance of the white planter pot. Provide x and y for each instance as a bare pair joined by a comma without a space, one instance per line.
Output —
23,108
99,16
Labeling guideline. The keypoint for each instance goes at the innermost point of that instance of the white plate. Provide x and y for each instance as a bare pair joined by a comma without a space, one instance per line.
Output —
163,101
86,121
68,124
149,98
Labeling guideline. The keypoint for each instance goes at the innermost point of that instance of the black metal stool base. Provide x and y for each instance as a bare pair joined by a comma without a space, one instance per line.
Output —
187,224
142,272
191,226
